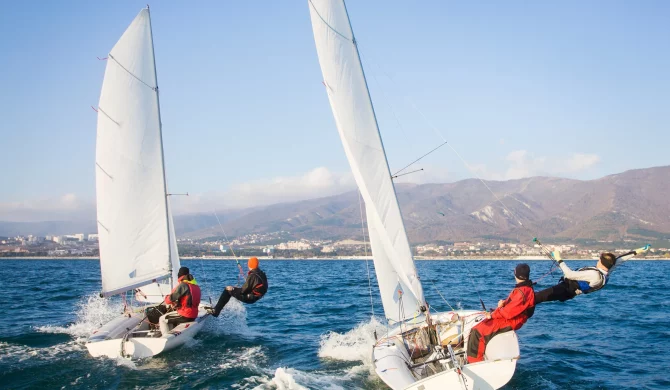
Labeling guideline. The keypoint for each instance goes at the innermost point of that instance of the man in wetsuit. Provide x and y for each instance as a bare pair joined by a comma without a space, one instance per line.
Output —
511,314
254,288
583,281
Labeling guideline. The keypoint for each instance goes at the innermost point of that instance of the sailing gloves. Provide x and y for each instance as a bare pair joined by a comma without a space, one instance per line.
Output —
557,256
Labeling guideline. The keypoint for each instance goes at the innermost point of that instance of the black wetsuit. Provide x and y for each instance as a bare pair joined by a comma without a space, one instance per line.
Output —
253,289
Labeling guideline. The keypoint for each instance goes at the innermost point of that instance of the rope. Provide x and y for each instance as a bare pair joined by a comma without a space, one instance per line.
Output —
418,159
439,134
438,291
241,273
365,246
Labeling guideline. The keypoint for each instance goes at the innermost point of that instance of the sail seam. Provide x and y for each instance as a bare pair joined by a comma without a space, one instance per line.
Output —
155,89
352,40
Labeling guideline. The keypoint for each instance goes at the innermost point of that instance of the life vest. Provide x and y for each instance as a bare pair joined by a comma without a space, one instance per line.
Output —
187,306
261,286
585,287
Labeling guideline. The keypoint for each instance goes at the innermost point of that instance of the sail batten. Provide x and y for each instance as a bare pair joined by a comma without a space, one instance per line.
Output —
357,125
135,235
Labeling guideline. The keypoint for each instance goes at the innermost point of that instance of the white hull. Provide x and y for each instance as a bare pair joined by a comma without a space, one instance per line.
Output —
114,339
428,369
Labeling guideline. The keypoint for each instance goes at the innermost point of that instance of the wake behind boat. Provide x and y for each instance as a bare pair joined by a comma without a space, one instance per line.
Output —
421,350
138,246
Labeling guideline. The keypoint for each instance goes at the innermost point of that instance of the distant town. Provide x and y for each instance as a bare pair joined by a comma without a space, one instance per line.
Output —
278,245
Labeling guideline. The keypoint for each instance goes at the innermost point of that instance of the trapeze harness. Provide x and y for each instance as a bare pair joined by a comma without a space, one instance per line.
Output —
584,287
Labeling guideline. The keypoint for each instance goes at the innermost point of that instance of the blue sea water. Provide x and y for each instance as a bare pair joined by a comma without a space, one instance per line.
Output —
314,328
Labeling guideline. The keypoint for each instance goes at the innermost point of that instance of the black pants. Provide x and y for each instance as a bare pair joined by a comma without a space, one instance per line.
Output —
175,319
563,291
154,313
237,294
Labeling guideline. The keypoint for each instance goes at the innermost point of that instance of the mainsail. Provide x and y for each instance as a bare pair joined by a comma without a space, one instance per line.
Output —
399,285
137,243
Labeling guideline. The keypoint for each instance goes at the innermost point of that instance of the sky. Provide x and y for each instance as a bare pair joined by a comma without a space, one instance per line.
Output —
564,88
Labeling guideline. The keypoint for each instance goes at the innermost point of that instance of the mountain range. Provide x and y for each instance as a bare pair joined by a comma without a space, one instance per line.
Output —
632,205
628,206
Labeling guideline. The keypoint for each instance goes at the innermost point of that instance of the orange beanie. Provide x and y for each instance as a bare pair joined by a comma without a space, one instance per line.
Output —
253,263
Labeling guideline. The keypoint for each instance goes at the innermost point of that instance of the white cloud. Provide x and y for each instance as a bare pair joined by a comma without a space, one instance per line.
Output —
318,182
67,207
521,163
579,162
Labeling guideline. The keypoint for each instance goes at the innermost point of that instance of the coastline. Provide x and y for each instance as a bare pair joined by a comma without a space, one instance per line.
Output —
337,258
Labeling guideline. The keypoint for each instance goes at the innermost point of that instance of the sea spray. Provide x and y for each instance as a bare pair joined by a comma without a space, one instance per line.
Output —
92,312
231,320
354,345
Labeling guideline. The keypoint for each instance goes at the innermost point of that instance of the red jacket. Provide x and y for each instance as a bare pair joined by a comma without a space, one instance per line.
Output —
518,307
185,297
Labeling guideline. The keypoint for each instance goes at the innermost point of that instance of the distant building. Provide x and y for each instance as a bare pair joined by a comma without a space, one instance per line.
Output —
294,245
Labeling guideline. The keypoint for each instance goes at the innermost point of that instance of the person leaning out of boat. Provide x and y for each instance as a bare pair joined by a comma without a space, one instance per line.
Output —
184,300
583,281
511,314
254,288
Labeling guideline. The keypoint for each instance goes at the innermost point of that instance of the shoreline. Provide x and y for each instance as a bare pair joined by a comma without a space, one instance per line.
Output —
341,258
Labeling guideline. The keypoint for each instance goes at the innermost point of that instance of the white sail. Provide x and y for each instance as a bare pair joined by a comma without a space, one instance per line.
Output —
355,119
133,227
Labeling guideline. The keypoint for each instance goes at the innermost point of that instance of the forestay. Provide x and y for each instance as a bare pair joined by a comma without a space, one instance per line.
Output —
355,119
134,232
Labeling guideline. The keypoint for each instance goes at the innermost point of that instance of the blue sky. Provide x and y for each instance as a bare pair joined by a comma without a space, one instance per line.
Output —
567,88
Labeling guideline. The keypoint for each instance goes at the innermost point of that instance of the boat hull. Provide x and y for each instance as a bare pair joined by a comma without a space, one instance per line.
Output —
117,338
392,360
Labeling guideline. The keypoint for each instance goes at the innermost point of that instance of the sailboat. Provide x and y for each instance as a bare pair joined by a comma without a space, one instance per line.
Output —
421,350
138,246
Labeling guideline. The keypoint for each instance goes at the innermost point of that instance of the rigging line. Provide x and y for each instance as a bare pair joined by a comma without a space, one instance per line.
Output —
387,100
467,269
419,159
439,134
352,40
407,173
438,291
365,246
155,89
231,246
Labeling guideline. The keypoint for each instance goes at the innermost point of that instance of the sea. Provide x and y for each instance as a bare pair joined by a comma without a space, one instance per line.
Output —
314,328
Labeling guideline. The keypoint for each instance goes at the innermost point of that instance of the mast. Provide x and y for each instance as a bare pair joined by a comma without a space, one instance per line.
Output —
160,136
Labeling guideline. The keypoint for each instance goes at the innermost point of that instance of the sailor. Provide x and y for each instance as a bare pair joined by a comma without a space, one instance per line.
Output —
511,314
583,281
184,298
254,288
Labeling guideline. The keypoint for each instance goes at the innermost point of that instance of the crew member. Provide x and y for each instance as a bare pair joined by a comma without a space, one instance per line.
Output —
254,288
583,281
184,298
511,314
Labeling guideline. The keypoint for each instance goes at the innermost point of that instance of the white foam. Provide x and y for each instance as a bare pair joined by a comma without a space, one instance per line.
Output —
354,345
232,320
248,357
22,353
284,380
92,312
